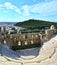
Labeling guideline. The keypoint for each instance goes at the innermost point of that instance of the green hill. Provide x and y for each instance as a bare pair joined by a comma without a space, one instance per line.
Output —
31,24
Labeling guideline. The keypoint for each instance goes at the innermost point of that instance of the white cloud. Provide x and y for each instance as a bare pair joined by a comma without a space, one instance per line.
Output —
17,10
10,6
44,8
26,11
1,6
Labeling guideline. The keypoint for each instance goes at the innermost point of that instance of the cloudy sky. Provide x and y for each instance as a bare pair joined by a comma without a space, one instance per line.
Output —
20,10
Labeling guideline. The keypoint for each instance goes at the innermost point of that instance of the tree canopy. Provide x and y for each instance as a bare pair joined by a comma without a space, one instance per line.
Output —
35,24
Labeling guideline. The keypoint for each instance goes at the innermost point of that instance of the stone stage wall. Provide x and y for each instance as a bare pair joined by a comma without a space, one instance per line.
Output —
28,38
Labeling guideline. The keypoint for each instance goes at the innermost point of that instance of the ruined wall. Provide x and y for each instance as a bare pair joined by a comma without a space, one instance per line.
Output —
24,39
27,39
50,32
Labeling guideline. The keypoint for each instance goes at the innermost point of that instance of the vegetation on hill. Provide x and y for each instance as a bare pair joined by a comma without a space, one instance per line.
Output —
35,24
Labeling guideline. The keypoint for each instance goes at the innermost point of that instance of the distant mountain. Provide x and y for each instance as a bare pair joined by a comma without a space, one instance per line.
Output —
8,23
35,24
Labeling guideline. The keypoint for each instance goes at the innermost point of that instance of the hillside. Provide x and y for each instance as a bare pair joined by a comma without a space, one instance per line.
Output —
35,24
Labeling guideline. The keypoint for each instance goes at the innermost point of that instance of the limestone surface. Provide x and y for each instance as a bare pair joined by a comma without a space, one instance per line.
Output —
46,55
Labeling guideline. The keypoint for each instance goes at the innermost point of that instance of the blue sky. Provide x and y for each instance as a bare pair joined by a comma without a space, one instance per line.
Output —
20,10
